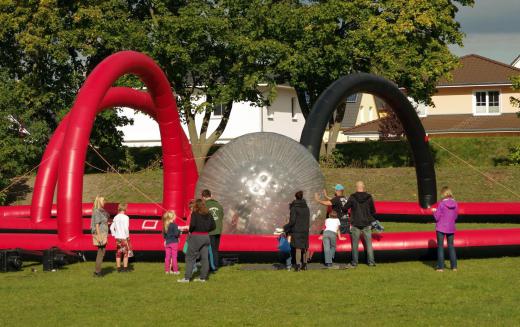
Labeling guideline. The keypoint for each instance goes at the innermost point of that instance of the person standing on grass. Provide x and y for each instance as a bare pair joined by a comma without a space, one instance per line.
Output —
338,203
298,229
330,233
217,212
120,230
171,235
362,211
201,224
99,230
445,216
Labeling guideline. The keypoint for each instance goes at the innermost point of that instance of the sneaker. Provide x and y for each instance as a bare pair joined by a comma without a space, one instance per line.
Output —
454,269
200,280
288,268
439,270
183,280
297,268
98,274
350,266
371,264
167,272
175,272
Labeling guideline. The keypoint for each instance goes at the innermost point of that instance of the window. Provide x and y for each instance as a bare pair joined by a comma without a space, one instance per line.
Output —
218,109
352,98
293,109
486,102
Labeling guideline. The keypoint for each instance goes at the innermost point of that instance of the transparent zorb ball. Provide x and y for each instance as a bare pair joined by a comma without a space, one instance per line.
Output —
255,178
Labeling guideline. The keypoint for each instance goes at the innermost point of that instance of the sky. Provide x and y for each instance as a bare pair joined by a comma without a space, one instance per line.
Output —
492,29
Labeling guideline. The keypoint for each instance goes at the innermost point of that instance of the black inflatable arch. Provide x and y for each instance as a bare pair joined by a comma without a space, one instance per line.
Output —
338,92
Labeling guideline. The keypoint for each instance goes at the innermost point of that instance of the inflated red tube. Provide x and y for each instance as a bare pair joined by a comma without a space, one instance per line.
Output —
82,115
25,224
465,208
47,177
268,243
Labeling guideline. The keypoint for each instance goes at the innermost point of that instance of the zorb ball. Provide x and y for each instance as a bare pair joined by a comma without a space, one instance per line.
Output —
255,177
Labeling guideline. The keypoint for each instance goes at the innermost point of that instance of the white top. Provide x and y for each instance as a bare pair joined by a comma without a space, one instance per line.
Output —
119,227
332,224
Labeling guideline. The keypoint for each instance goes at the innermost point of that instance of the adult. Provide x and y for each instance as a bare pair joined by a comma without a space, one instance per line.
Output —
217,212
445,217
362,211
99,230
338,203
298,229
201,223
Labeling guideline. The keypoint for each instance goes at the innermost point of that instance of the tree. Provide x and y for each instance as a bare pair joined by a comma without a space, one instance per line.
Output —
46,50
404,41
214,56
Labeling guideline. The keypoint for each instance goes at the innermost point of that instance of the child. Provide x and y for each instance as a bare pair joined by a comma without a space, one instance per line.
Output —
119,229
445,216
284,247
171,243
330,233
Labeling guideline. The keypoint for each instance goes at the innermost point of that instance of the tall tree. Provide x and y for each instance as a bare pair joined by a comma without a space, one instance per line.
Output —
214,56
403,40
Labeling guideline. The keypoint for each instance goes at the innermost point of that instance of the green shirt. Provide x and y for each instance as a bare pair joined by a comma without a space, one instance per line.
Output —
216,210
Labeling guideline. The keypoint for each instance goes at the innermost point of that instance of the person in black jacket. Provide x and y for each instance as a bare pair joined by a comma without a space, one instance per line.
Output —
298,229
362,211
201,224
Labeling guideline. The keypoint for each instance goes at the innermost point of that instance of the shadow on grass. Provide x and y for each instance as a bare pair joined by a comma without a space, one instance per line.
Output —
18,191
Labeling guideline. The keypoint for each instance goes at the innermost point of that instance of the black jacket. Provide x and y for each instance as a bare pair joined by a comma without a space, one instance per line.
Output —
298,226
201,223
362,209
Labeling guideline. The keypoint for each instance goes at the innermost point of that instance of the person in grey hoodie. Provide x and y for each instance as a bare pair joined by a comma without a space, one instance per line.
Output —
445,216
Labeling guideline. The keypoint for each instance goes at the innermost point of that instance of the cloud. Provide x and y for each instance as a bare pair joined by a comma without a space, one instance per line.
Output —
490,16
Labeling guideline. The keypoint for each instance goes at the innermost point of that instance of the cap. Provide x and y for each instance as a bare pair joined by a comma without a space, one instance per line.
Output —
339,187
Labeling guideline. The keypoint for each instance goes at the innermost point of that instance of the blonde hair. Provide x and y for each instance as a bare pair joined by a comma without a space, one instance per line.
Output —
99,202
167,219
121,207
446,192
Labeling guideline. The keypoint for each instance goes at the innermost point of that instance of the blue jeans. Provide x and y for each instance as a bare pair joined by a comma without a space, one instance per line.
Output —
355,235
329,245
451,250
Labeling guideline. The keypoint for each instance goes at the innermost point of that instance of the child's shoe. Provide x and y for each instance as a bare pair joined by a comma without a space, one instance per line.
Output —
175,272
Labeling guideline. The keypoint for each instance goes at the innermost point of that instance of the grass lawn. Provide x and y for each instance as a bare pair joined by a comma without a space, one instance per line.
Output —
484,292
396,184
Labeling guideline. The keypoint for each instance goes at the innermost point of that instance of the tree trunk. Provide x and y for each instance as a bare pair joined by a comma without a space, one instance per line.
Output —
335,128
201,143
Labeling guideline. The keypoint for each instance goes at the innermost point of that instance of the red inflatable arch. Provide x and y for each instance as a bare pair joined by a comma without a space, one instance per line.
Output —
64,157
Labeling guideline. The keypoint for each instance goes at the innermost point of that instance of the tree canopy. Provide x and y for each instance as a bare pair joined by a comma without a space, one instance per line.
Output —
213,53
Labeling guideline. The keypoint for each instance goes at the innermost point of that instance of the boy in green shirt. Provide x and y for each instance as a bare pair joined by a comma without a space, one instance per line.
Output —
216,210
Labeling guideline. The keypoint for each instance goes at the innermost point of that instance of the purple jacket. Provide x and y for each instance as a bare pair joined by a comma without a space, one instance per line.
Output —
446,215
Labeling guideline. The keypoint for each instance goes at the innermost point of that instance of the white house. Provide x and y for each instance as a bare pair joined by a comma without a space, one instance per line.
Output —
283,116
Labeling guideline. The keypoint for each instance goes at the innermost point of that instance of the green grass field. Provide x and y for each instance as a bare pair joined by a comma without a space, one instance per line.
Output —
483,292
397,184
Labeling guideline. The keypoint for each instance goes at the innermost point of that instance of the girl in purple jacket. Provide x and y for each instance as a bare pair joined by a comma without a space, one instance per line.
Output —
445,216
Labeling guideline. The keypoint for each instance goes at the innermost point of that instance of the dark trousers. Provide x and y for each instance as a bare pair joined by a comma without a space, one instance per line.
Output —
451,250
197,246
215,243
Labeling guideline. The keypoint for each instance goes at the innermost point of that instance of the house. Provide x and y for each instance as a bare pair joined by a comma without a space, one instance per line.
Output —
474,102
283,116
